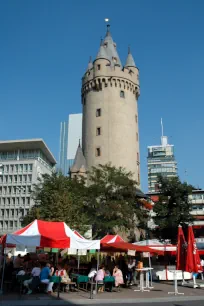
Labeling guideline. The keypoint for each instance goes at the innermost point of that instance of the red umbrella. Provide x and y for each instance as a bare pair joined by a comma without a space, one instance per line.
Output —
193,258
181,250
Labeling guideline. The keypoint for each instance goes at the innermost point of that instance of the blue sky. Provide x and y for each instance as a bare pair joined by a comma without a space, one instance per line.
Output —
44,51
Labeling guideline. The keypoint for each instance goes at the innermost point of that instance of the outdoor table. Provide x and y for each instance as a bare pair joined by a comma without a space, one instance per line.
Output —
109,280
147,286
175,283
80,279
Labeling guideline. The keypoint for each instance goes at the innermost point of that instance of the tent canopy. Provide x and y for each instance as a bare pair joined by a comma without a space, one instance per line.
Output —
50,234
125,246
111,239
157,245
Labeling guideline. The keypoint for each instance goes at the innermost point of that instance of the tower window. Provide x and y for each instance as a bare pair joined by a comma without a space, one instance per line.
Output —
137,136
138,157
99,67
98,152
136,118
98,112
122,94
98,131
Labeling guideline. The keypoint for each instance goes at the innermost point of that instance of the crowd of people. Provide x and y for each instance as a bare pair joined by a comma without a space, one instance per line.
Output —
40,272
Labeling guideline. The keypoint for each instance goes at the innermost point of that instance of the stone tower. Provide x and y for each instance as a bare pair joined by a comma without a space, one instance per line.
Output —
110,93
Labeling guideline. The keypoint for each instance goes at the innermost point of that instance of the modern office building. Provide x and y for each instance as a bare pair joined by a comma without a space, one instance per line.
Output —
161,160
74,136
63,165
22,162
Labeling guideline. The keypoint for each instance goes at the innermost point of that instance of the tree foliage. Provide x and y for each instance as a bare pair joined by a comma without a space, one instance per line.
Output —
108,202
58,198
173,208
112,203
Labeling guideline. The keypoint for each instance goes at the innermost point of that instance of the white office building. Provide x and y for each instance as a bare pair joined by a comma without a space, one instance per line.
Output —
22,162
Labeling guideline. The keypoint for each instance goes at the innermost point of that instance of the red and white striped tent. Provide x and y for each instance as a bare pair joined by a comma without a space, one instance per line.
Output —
112,239
49,234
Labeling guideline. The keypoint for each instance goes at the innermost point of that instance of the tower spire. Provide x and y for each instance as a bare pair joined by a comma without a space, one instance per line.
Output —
90,64
162,128
130,61
108,30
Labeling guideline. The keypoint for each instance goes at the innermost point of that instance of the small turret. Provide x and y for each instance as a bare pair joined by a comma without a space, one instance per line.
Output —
79,167
130,61
102,52
90,64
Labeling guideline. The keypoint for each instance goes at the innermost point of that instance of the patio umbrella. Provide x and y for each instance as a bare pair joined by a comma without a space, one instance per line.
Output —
193,258
181,250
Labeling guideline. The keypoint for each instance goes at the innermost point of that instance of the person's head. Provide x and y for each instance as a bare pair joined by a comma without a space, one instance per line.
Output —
116,268
19,255
48,265
37,264
102,267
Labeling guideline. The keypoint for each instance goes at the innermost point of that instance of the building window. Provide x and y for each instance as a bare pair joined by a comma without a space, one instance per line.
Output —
30,178
17,201
15,224
98,112
23,201
13,201
25,167
98,131
25,178
8,201
99,67
12,167
98,151
21,168
122,94
15,178
28,201
30,167
16,168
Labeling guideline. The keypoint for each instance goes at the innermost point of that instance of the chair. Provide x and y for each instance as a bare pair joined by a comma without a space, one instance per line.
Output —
21,279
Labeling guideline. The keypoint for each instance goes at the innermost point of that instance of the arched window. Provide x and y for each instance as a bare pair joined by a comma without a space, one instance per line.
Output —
122,94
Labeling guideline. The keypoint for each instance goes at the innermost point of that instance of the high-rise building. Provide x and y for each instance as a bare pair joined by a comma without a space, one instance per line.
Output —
161,161
22,162
74,136
110,93
63,166
70,137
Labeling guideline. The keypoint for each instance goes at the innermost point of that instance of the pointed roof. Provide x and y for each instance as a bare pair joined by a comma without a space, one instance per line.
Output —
130,61
90,64
101,52
108,49
79,161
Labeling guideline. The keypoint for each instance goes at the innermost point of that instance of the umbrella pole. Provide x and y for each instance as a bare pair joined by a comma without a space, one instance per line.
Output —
98,263
150,265
2,278
78,262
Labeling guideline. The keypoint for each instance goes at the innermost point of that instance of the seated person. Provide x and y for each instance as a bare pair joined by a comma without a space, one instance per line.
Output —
63,274
100,277
45,274
118,275
35,277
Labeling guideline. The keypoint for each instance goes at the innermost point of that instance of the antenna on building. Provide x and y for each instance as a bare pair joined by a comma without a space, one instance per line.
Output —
162,128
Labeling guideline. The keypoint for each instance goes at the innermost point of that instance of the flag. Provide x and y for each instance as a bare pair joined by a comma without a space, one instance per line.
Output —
181,250
193,263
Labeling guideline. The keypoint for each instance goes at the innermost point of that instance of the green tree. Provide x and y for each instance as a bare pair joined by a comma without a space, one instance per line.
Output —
58,198
111,201
173,207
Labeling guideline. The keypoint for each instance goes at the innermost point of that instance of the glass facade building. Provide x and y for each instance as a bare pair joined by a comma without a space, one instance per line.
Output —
161,160
70,136
21,164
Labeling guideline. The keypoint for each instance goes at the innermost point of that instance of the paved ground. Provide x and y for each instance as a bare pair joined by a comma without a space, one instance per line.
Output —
191,297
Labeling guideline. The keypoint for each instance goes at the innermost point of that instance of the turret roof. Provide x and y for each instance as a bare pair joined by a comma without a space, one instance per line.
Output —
79,161
90,64
130,61
108,49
